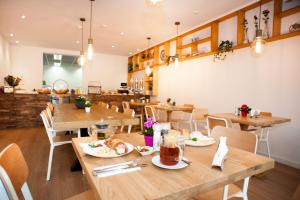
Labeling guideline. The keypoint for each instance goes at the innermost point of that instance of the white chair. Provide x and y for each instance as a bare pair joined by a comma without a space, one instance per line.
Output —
115,108
14,173
217,121
131,113
125,105
181,118
244,140
149,112
199,117
14,176
54,139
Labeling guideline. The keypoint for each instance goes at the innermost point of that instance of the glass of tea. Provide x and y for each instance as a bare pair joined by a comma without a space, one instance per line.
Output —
170,152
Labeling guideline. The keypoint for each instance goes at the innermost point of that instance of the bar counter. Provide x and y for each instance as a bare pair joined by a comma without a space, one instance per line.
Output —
23,110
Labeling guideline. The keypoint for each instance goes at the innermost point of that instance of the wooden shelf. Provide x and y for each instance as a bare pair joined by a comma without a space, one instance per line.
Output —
290,11
207,39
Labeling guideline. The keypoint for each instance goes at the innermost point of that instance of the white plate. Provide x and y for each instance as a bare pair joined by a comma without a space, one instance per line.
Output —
179,165
200,142
104,151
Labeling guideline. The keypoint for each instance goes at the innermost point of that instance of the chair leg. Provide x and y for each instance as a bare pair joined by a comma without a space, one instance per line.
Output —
122,127
50,162
129,129
141,123
225,192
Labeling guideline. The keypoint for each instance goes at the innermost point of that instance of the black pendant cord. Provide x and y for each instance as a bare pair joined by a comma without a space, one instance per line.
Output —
259,14
91,18
82,36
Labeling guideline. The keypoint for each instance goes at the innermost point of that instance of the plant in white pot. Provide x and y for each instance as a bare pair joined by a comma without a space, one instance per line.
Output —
87,106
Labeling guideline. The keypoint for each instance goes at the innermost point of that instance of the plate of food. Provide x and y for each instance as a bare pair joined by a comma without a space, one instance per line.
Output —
144,150
107,148
199,140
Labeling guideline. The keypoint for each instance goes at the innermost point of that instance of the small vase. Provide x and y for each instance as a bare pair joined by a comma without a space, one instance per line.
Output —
244,114
148,140
87,109
266,33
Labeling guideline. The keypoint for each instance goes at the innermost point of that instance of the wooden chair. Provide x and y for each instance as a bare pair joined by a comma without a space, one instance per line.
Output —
131,113
216,121
181,118
14,173
125,105
263,132
51,107
114,108
244,140
199,117
14,176
103,105
54,139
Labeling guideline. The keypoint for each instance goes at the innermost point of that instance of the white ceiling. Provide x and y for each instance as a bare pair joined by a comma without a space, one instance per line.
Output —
54,23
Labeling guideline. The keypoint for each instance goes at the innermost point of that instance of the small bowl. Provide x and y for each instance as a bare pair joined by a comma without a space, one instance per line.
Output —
149,150
101,126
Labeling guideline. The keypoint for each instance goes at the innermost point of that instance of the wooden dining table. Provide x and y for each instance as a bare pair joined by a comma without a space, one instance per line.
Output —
152,182
260,121
68,117
169,109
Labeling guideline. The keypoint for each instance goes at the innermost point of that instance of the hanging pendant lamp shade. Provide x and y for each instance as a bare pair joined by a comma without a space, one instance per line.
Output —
81,58
259,44
90,49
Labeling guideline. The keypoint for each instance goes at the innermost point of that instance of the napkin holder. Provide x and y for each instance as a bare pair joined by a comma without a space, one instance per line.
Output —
220,155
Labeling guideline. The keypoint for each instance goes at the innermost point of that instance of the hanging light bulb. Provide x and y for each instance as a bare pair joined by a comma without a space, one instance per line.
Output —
259,44
81,58
90,49
176,59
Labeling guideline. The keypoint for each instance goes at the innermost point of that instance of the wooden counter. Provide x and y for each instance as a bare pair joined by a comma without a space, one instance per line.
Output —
23,110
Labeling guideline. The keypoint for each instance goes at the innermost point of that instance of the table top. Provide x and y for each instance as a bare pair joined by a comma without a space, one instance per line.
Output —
67,116
155,183
170,108
258,121
134,103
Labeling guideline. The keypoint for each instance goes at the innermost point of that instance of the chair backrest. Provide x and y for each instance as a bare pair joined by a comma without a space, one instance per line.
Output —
149,111
114,108
266,114
104,105
14,172
47,126
199,114
129,111
51,107
125,105
217,121
244,140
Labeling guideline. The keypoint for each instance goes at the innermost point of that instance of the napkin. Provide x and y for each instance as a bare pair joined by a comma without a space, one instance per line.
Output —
221,153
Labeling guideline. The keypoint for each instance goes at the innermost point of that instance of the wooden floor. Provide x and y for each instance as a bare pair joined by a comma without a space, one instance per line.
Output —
279,183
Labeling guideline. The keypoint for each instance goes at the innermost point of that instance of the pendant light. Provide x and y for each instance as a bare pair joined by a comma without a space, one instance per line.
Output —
148,68
176,60
81,58
259,44
90,50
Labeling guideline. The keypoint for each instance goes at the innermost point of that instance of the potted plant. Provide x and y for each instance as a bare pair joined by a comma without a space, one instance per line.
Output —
87,106
80,102
130,67
148,134
244,110
224,48
12,81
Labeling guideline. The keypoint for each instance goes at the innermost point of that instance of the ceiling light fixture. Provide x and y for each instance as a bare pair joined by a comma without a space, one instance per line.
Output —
81,58
148,68
23,17
57,57
90,50
259,44
112,46
17,42
122,33
11,35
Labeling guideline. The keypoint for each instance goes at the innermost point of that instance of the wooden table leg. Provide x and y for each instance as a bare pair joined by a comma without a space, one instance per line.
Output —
169,113
244,127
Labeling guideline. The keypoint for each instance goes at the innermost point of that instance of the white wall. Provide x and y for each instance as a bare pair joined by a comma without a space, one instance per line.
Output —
27,62
270,83
4,59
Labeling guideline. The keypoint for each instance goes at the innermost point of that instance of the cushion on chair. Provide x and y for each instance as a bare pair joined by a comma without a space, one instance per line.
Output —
87,195
217,194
